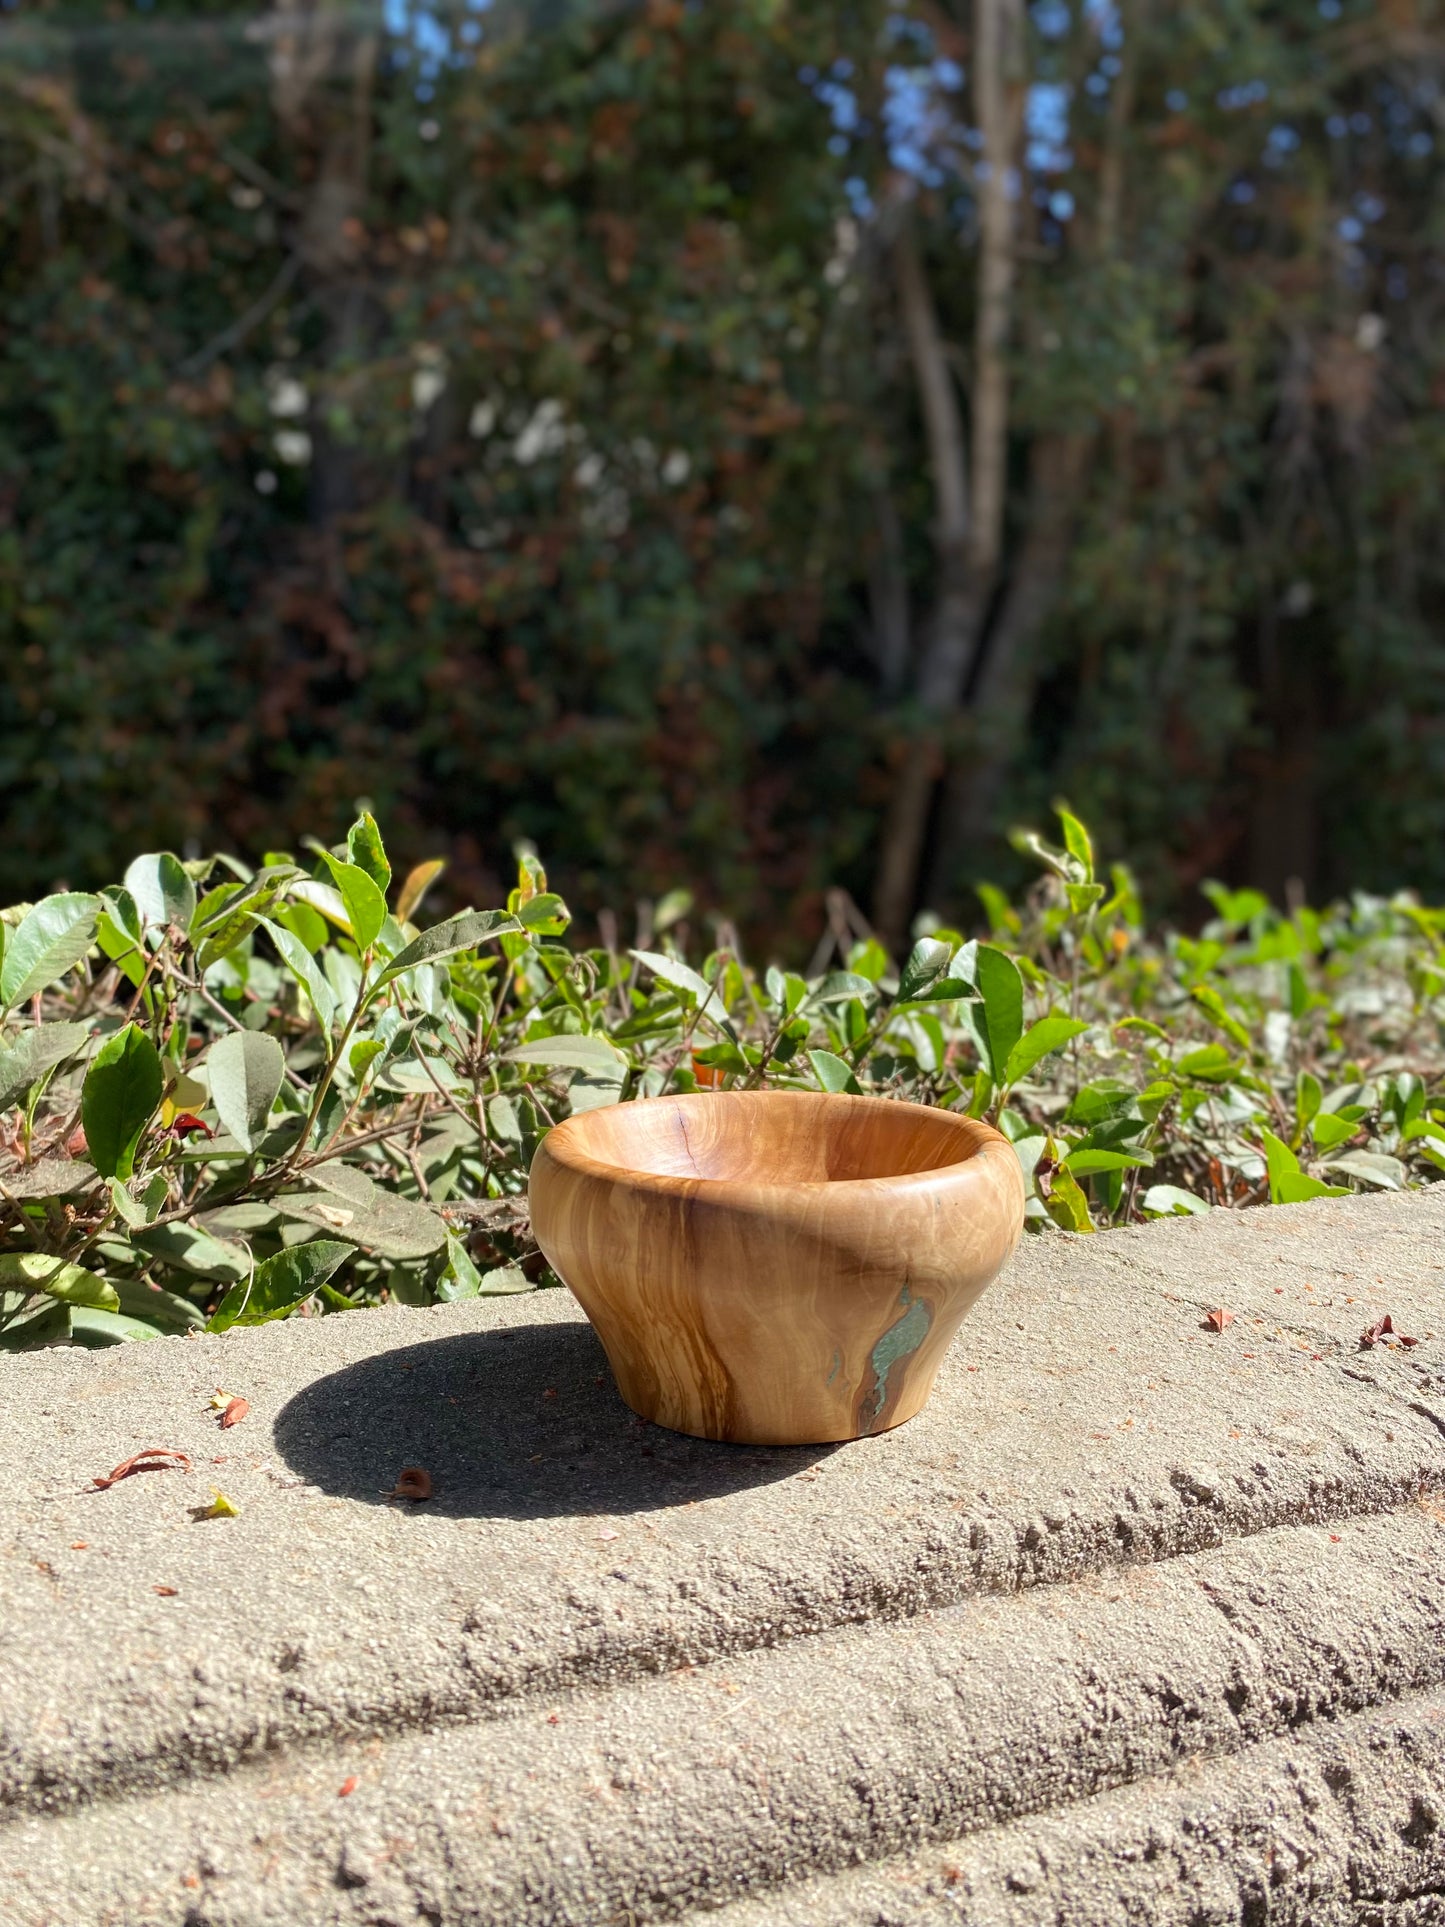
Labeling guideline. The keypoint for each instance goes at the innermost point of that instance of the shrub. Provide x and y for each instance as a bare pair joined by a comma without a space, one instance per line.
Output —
232,1095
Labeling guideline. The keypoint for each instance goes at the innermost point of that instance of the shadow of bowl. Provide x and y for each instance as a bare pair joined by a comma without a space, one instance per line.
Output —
520,1423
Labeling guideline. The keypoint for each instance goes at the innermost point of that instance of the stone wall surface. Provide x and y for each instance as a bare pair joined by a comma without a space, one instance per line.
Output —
1139,1622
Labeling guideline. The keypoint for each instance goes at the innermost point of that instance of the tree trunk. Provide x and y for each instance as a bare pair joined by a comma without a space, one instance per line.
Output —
969,493
1058,464
890,622
322,77
1009,674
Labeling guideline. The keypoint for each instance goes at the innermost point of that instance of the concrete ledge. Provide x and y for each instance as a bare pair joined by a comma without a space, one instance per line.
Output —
1339,1825
607,1672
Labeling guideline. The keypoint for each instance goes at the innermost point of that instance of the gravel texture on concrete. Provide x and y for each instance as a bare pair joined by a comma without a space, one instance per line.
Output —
1137,1616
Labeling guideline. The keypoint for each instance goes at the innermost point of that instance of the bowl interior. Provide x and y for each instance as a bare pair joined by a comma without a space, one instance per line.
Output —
772,1137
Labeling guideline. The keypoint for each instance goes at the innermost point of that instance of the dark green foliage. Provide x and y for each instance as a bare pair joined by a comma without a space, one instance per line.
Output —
519,455
307,1120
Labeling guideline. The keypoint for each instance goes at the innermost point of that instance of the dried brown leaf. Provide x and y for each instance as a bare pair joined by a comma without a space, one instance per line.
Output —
155,1458
413,1482
1385,1328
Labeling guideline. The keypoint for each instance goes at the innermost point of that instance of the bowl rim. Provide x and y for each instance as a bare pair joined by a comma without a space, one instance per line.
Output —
978,1136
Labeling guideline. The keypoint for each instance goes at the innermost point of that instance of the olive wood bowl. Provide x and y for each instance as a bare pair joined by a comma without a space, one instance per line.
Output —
776,1267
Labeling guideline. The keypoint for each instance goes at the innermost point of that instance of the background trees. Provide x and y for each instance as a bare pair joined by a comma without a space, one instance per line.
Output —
764,446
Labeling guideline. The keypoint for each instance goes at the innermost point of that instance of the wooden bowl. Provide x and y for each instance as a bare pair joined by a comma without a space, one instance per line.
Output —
776,1267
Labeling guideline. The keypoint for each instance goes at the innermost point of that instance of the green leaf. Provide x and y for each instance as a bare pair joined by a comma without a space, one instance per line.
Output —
48,1324
1142,1025
119,934
280,1284
350,1205
1066,1203
570,1053
305,969
1280,1162
50,1178
833,1073
1287,1183
1028,1150
458,933
460,1277
671,909
30,1271
1299,994
304,923
1207,999
52,938
1077,842
868,959
946,990
1170,1201
1371,1167
926,963
129,1210
121,1093
418,882
1083,896
363,903
1296,1188
363,1054
227,916
367,851
838,987
34,1052
1210,1064
689,985
92,1326
247,1070
158,1310
162,891
545,915
786,989
997,1021
1308,1098
503,1280
1107,1097
1048,1034
190,1249
1084,1161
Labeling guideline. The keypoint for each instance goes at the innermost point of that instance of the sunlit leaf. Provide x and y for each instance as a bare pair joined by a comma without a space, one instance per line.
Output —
51,939
120,1096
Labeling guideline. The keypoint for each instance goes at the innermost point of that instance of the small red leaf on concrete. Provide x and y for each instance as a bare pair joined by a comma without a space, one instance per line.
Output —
234,1413
347,1786
1215,1321
155,1458
166,1592
412,1483
1384,1328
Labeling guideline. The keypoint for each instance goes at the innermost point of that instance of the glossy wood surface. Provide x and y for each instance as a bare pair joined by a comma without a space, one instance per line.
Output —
776,1267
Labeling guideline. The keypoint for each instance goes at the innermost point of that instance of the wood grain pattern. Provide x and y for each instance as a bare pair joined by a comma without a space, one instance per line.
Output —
776,1267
